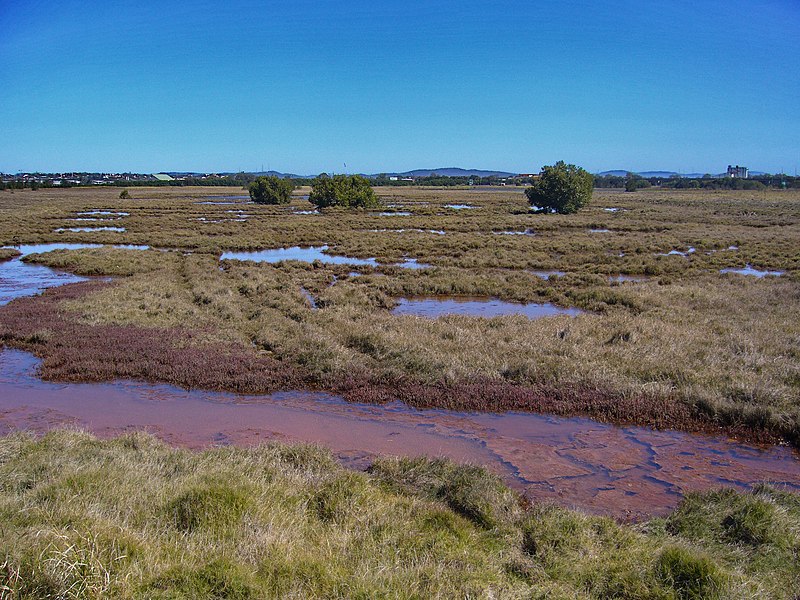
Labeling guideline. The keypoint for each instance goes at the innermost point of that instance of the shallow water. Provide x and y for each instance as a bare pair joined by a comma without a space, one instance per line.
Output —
433,307
104,212
18,279
626,472
87,229
460,206
305,254
547,274
412,263
399,213
690,250
624,278
525,232
749,270
434,231
600,231
312,253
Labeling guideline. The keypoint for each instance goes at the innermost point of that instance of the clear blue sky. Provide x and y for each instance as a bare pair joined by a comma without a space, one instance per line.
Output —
306,86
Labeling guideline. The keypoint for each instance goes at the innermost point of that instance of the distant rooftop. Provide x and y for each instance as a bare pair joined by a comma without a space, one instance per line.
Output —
163,177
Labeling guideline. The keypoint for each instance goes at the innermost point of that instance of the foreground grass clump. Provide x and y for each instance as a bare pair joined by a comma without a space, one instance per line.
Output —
133,518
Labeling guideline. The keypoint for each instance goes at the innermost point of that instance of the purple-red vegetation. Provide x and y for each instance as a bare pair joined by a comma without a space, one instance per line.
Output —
75,351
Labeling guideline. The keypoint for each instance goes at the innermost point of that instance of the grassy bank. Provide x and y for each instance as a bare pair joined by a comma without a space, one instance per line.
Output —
8,254
133,518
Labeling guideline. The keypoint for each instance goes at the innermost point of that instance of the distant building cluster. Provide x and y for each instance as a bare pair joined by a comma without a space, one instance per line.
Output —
75,178
83,178
737,172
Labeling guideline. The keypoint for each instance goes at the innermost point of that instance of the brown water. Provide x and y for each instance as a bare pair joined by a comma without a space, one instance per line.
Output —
628,472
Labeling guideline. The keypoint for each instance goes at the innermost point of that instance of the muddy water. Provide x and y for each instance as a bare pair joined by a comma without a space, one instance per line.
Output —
626,472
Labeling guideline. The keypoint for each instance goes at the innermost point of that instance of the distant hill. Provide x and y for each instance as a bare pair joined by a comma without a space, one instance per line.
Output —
452,172
666,174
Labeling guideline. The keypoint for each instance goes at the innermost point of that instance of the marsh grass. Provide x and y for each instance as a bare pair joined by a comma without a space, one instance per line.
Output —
8,254
132,518
688,348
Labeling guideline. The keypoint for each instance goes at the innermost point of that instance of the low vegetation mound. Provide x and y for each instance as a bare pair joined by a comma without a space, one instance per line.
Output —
133,518
8,253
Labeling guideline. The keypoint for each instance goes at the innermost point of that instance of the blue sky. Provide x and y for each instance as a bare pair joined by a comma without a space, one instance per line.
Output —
306,86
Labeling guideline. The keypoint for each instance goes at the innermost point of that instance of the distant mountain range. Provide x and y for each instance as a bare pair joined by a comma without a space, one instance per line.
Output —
451,172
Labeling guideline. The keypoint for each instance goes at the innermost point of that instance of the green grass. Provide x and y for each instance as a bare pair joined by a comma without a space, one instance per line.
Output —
132,518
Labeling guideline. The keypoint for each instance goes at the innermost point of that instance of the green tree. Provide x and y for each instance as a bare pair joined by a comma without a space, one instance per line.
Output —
631,183
271,190
561,188
349,191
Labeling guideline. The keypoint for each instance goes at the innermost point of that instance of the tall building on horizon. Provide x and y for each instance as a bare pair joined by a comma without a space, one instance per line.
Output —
738,172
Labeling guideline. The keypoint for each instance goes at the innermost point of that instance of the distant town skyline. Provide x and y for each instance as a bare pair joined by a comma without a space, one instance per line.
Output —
306,87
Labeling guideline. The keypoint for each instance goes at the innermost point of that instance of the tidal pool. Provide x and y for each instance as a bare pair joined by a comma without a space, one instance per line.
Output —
305,254
624,278
312,253
600,230
221,202
523,232
437,306
460,206
18,279
88,229
111,213
626,472
690,250
434,231
749,270
547,274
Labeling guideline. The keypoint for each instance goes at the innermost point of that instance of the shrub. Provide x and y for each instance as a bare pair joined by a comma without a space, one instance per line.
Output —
124,195
271,190
561,188
348,191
